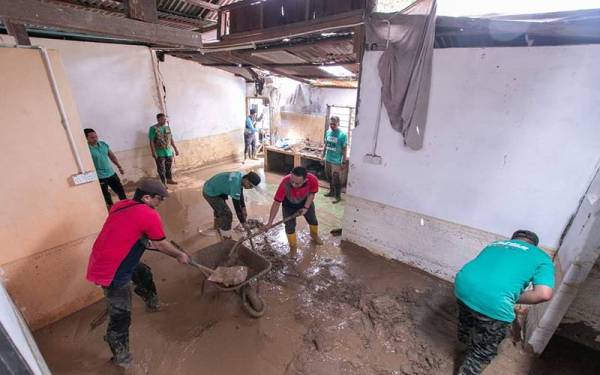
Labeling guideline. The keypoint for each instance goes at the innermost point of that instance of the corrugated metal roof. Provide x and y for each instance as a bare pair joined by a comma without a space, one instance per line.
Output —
175,13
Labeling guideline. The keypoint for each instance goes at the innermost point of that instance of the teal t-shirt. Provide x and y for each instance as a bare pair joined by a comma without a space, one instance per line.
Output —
165,130
492,283
334,145
101,161
226,183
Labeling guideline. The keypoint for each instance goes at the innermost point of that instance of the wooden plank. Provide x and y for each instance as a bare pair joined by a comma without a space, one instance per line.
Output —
69,18
243,58
18,31
340,21
240,4
143,10
203,4
359,42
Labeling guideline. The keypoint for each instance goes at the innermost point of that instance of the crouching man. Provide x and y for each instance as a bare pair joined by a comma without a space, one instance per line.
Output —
223,185
489,286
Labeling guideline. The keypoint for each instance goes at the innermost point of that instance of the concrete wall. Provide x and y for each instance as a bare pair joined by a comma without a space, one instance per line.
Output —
511,142
47,226
116,90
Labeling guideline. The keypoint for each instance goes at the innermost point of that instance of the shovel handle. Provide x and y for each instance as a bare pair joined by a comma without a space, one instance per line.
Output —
261,231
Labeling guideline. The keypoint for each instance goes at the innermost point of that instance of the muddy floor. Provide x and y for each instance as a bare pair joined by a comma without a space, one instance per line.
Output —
334,309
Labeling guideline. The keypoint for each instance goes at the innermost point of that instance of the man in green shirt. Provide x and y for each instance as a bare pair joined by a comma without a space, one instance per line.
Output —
107,177
162,146
489,286
334,155
216,191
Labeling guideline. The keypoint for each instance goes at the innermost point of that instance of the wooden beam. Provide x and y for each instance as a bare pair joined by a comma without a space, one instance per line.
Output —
18,31
142,10
203,4
242,58
68,18
240,4
340,21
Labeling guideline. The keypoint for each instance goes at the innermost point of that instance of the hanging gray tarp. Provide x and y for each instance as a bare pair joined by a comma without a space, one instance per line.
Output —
407,38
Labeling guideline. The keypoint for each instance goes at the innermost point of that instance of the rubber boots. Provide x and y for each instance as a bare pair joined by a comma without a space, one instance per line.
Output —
293,243
120,350
314,234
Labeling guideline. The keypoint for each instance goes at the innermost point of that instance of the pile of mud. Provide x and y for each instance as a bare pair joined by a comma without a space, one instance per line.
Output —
350,330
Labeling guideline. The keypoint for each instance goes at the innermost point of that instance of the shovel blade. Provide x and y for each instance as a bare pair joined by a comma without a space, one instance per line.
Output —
229,275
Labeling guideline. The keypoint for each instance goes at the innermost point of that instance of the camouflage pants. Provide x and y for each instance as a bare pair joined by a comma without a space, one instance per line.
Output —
481,335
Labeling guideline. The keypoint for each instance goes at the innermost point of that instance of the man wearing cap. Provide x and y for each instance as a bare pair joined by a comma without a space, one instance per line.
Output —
489,286
216,191
102,156
334,154
296,195
115,260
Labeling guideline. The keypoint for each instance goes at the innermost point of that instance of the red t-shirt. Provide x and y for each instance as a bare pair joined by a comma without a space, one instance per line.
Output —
127,222
295,197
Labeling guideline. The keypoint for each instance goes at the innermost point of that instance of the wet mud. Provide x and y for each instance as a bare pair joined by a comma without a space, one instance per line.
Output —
333,309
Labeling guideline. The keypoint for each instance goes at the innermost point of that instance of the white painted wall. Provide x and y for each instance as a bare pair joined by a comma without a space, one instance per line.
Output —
512,142
116,93
114,87
202,101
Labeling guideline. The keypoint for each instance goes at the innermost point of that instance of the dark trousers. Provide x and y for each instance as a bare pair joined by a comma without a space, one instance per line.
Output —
115,184
482,336
310,216
249,145
118,300
333,172
163,166
221,211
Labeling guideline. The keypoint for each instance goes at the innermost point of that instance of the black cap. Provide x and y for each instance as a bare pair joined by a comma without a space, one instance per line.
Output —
252,111
526,234
152,186
253,177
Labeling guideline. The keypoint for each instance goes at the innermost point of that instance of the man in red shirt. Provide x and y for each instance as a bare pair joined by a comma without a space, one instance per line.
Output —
115,260
296,193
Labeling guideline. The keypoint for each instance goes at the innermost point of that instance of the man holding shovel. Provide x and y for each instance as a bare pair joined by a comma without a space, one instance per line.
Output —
296,195
216,191
115,261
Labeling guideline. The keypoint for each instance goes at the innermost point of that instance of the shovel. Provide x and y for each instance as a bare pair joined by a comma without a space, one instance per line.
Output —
224,275
233,253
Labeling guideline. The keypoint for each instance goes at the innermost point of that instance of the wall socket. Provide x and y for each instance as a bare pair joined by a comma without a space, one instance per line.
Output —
84,178
373,159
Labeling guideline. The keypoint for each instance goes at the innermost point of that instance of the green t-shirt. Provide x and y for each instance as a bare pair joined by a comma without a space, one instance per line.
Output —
492,283
334,146
101,161
162,143
226,183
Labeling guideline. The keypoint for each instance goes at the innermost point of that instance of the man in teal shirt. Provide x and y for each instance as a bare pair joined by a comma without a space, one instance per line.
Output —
489,286
107,177
250,136
334,154
228,184
162,146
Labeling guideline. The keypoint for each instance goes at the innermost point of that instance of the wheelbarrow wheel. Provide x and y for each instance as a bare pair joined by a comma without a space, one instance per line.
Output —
252,304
